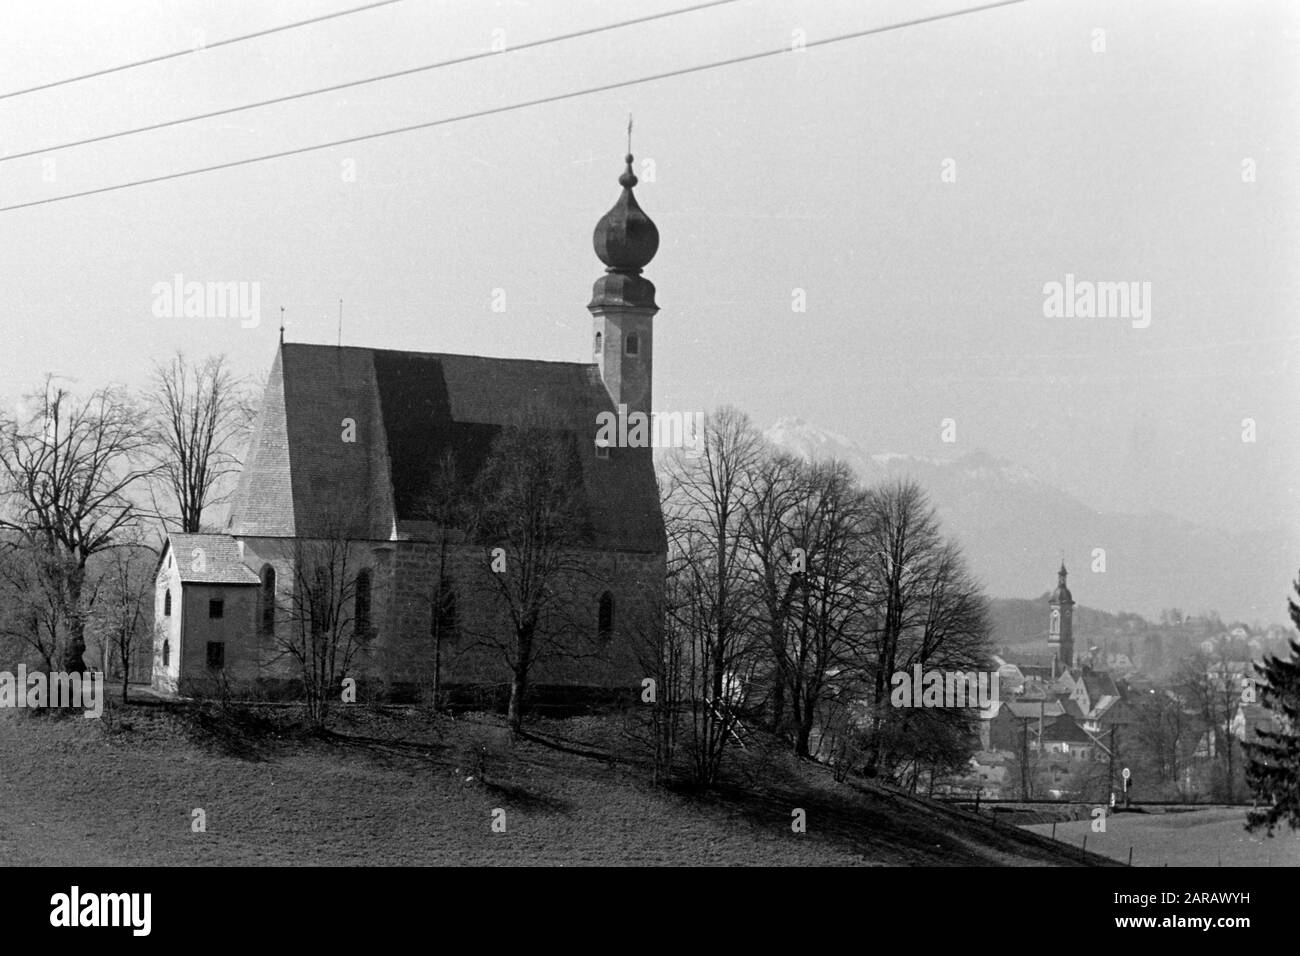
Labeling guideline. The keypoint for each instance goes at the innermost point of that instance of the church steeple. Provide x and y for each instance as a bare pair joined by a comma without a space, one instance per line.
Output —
623,301
625,240
1060,628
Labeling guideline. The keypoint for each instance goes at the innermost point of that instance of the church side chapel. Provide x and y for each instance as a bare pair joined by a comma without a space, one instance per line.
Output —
352,513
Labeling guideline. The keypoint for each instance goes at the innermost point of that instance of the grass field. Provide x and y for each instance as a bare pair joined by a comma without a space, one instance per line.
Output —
408,789
1210,837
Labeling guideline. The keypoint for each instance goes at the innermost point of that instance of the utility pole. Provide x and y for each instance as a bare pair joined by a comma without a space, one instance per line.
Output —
1110,767
1024,759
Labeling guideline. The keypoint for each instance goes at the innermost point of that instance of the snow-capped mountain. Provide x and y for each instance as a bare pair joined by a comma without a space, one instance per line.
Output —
1014,528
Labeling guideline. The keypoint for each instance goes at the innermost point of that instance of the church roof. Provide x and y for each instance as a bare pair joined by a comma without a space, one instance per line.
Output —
406,409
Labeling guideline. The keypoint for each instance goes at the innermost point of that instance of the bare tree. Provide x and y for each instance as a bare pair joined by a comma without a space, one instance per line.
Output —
31,600
1161,729
1210,684
830,619
198,414
66,474
447,509
661,645
902,537
325,613
528,517
123,611
707,496
767,530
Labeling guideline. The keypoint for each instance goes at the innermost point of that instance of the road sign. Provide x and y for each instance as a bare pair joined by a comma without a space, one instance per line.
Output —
1126,773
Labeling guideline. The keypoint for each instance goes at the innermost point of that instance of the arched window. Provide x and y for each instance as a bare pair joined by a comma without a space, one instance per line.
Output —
605,617
362,611
266,600
167,603
600,341
167,652
633,344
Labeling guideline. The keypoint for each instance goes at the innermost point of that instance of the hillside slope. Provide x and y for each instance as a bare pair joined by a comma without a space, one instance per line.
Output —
401,789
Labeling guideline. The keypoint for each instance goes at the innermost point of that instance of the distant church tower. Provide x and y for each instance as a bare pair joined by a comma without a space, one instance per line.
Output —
622,302
1060,629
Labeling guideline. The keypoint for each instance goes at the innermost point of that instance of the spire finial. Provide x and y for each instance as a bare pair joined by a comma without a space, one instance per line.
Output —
628,179
281,325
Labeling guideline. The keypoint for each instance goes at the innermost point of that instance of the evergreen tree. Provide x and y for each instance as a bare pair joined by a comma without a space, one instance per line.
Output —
1273,760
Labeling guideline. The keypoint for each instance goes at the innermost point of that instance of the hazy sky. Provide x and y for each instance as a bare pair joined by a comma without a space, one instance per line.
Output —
820,171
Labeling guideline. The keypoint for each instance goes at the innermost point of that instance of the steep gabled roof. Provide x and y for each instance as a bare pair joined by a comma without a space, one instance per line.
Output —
405,410
208,559
1065,730
263,503
1099,685
1026,710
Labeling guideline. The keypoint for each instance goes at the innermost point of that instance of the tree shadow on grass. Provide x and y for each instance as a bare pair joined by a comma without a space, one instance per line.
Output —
393,752
241,732
564,745
520,798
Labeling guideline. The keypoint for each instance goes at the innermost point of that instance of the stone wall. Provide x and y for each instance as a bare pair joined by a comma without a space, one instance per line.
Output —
402,660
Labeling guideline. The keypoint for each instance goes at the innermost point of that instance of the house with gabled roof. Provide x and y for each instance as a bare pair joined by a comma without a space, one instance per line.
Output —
1094,691
1065,738
366,446
204,592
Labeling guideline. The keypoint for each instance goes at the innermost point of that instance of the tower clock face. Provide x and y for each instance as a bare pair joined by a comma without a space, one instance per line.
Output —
1056,620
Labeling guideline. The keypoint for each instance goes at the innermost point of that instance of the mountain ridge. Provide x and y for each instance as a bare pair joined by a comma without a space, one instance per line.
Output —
1015,528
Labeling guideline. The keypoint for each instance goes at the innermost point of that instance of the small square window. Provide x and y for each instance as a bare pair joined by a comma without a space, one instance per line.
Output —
216,608
216,653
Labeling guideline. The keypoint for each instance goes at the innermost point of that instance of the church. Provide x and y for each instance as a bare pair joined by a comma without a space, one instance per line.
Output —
1060,626
350,456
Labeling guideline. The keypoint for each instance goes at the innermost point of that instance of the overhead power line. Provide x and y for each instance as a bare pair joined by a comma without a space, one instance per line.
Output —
558,97
373,79
198,49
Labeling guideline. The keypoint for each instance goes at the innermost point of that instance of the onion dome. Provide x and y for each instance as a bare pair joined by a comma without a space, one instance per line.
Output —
625,241
1062,594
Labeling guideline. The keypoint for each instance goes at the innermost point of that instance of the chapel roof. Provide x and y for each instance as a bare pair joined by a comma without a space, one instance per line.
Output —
406,410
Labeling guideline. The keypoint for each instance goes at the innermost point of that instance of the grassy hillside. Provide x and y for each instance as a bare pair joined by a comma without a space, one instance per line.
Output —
406,789
1209,837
